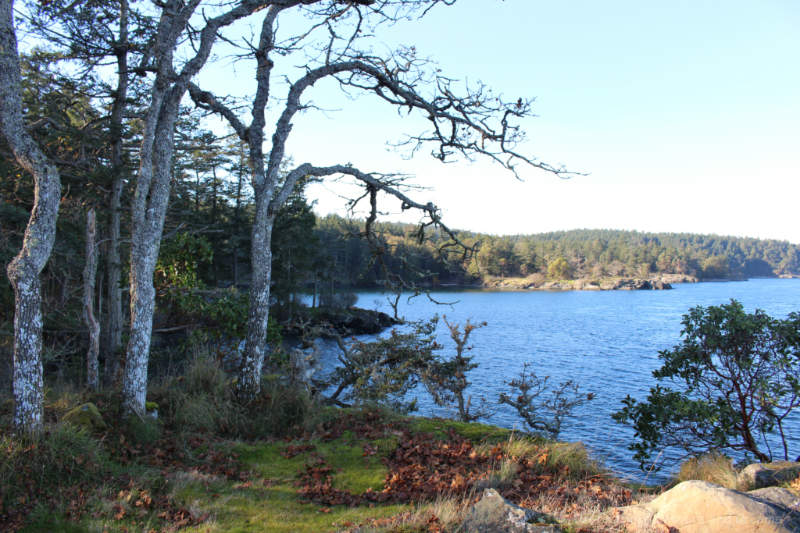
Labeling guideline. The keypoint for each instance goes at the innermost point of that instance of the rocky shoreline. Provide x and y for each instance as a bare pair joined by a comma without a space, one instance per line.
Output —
658,283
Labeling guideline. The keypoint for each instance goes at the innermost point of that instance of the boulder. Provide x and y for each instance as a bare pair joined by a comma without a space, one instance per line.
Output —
760,475
86,416
495,514
778,496
702,507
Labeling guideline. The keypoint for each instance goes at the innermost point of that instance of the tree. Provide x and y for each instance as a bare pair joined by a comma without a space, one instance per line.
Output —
740,379
446,379
385,370
559,268
87,34
25,268
154,175
467,122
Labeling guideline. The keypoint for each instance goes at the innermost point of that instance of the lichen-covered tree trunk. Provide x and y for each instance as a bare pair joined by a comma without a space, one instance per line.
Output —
249,383
148,225
92,325
25,268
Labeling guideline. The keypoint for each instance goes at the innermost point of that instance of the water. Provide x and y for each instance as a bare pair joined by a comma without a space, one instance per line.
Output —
607,341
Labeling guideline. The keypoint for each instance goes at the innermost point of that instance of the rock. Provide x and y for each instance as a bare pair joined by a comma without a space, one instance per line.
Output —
86,416
494,514
778,496
702,507
760,475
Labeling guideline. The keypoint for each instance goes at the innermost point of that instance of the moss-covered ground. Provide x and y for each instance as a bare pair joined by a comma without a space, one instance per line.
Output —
352,471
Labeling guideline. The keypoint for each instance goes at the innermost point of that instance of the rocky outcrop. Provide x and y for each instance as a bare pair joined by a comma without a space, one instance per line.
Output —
659,283
778,496
350,321
760,475
702,507
495,514
635,284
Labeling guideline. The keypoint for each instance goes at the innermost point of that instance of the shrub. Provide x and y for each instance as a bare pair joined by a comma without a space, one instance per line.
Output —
543,408
200,400
739,378
446,379
278,411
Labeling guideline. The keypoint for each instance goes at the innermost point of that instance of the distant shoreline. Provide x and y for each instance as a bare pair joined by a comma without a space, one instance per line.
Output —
617,283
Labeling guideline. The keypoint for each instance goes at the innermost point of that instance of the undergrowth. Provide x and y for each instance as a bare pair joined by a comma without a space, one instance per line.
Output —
210,463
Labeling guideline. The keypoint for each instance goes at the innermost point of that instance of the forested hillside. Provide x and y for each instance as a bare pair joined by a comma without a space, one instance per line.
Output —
558,255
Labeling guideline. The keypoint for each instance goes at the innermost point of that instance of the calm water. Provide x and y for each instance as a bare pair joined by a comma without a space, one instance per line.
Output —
607,341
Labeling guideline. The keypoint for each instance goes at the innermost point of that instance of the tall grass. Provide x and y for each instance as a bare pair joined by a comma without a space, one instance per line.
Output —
712,467
62,456
203,400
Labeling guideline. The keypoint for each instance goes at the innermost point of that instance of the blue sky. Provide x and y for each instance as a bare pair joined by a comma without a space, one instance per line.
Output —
684,114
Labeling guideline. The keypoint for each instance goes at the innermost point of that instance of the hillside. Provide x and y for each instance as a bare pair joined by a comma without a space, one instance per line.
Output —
563,255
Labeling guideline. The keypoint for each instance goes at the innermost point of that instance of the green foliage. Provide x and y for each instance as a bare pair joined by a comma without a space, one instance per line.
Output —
177,267
585,254
383,371
716,267
559,268
739,378
446,379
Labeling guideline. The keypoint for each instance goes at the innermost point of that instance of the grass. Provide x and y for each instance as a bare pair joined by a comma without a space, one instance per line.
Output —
479,433
202,468
712,467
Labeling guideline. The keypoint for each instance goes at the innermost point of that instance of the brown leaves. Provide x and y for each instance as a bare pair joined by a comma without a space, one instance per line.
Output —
293,450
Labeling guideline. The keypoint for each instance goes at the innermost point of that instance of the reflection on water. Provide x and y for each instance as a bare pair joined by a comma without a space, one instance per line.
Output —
606,341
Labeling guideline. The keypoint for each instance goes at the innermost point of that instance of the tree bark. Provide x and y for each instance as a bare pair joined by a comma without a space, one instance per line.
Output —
89,278
148,225
249,384
25,269
113,256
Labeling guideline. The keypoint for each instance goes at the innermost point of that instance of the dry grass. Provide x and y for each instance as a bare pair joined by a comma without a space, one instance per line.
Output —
713,467
795,485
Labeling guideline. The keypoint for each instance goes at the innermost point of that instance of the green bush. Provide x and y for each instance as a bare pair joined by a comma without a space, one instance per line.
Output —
738,379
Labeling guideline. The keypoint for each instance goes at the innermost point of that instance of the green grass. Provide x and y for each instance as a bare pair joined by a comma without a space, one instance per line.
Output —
273,508
477,433
269,499
271,503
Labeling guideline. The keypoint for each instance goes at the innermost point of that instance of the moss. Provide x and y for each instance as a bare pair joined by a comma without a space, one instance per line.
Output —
151,406
86,416
477,433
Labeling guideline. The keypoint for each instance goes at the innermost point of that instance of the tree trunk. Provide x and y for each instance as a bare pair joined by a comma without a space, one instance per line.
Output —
113,257
24,270
89,278
249,384
148,226
114,269
237,226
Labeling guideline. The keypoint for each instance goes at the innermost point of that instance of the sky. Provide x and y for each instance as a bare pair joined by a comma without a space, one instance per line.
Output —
683,115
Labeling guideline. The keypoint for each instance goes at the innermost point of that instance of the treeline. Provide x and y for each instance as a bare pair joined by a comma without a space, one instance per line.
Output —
558,255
